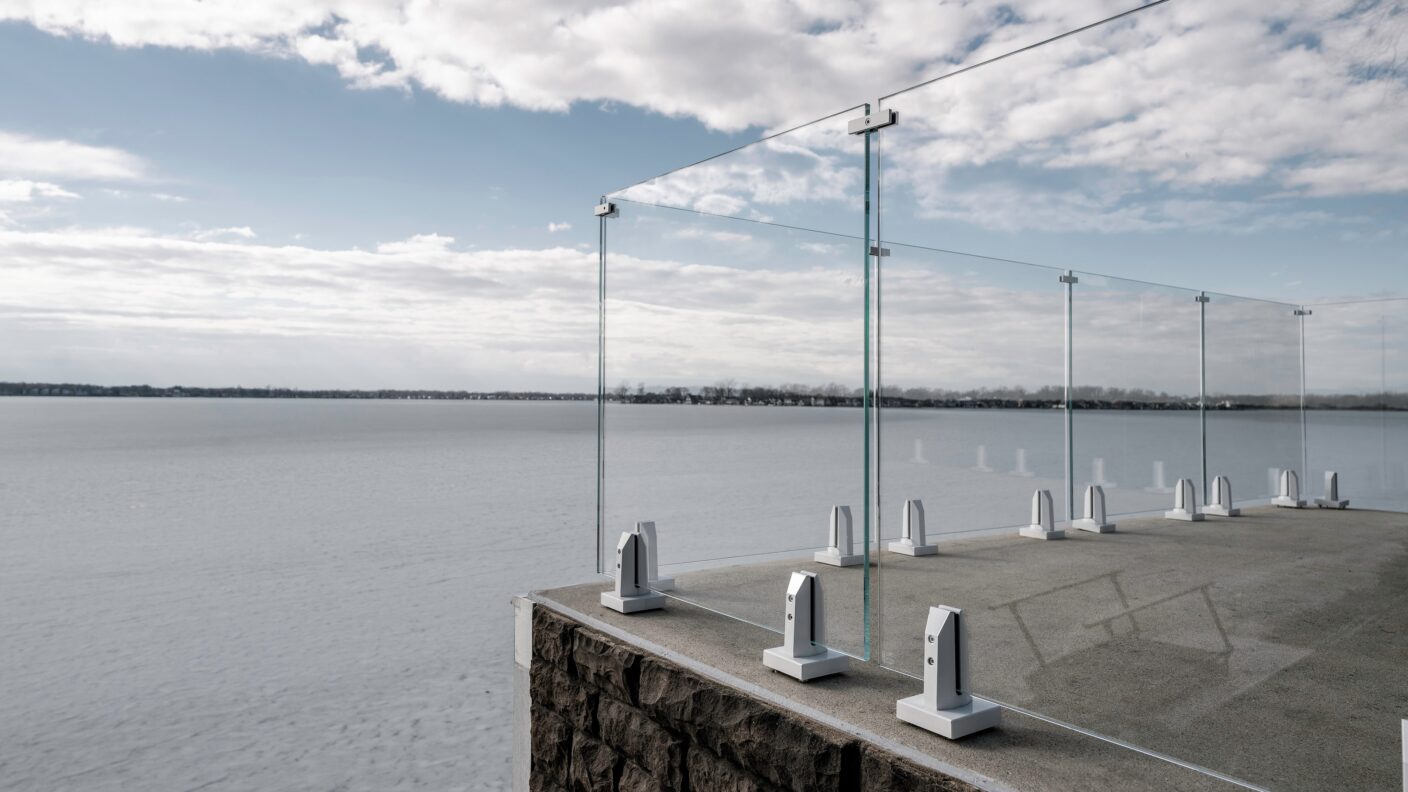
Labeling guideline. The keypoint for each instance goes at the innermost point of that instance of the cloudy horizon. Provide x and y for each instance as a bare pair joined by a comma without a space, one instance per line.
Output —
363,195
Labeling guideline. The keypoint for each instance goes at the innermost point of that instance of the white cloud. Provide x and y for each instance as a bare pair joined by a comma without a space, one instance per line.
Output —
553,228
25,191
238,232
418,313
420,243
25,156
798,60
155,196
423,313
1308,96
692,232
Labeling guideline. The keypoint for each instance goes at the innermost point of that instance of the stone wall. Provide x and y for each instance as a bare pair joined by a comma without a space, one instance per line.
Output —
608,716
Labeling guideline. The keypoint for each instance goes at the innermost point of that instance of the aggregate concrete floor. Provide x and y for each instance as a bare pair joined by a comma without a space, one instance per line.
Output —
1271,647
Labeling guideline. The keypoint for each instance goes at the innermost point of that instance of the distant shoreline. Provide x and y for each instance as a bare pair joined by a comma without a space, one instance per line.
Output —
1395,402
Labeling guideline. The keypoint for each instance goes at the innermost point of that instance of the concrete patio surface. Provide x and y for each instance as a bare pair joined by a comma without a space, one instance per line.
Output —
1271,647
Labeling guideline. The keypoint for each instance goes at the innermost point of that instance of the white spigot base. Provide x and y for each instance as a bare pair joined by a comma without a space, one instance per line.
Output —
836,559
806,669
955,723
652,600
1038,532
1222,511
663,584
1184,515
906,547
1287,503
1092,526
1326,503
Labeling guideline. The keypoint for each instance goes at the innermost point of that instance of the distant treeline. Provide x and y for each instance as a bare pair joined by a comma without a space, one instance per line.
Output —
1048,397
182,391
728,392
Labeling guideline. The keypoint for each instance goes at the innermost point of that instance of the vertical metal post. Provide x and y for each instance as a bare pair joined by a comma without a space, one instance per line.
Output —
1301,313
1070,281
1203,385
866,532
600,388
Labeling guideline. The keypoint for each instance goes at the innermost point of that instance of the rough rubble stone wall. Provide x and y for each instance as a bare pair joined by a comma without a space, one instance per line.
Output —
606,716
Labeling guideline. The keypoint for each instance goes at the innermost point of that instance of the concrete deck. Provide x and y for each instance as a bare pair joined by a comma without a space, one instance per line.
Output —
1271,647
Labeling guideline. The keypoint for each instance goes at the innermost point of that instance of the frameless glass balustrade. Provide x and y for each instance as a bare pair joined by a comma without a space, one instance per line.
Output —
1002,390
734,406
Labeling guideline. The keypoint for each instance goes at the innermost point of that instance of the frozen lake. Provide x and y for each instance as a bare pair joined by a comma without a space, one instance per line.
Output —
284,594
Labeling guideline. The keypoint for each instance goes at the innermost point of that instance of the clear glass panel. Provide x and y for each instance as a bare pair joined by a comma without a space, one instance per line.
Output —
734,369
812,176
1253,394
972,372
1136,388
1357,399
1172,144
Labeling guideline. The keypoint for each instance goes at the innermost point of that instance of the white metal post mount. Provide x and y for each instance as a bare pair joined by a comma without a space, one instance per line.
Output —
1185,503
1043,522
913,541
803,654
631,593
840,547
1220,499
947,707
1289,497
1095,519
1332,498
647,533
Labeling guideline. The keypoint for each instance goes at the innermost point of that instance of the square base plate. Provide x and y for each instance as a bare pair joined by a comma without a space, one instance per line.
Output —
1093,527
911,549
1184,515
1326,503
827,557
953,724
653,600
1288,503
806,668
1036,532
1222,511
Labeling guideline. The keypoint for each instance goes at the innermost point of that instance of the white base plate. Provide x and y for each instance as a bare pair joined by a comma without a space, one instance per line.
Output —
910,549
825,557
1326,503
806,668
1183,515
1287,503
663,584
953,724
1093,527
641,602
1036,532
1222,511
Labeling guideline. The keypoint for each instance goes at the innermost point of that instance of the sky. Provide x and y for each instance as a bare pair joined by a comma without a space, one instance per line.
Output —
398,194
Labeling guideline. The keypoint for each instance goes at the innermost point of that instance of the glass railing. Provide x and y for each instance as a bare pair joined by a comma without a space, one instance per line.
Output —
1002,390
733,408
1356,417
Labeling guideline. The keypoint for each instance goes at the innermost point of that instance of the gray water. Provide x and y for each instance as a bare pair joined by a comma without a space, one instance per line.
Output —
248,594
